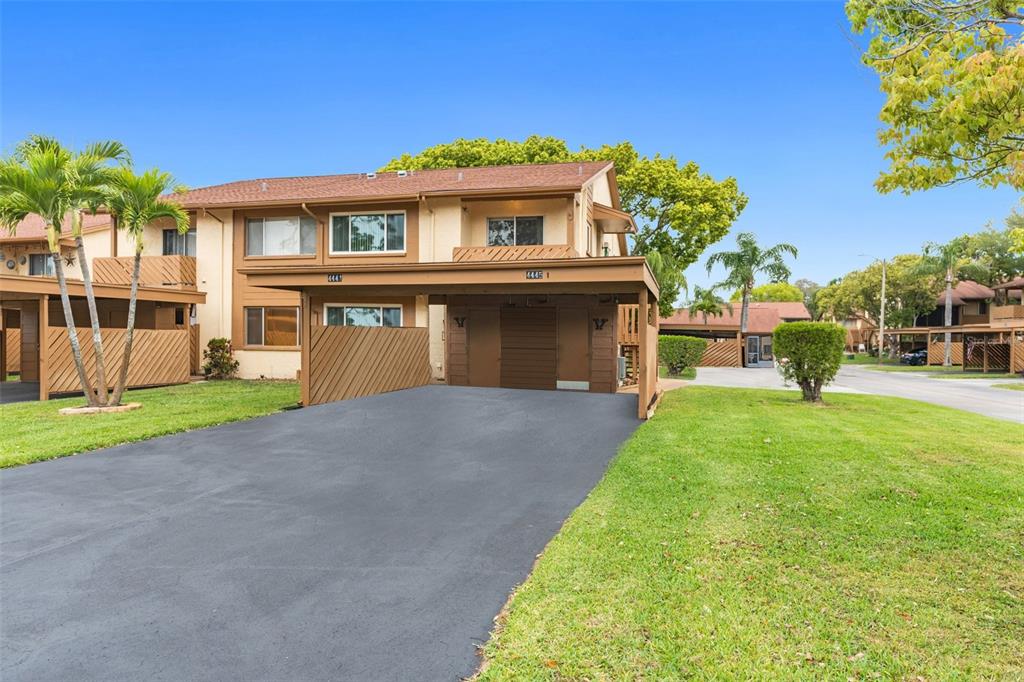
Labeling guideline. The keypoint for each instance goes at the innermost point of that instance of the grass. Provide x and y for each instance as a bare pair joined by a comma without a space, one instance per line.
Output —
1011,387
33,431
743,534
689,373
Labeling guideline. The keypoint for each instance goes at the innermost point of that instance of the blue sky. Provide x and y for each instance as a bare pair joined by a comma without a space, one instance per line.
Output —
771,93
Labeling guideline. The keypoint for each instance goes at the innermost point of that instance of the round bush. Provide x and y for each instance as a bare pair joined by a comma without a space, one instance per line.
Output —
679,352
809,354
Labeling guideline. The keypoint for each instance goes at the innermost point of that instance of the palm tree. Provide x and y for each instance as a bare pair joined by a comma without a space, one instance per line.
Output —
45,178
670,278
748,261
945,260
135,202
708,302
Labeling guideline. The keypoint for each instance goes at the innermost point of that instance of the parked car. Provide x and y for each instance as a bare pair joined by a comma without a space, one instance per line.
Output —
915,357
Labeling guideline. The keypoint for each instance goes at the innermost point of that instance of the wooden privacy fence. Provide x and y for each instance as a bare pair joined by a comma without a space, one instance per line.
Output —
987,356
937,352
175,272
159,357
350,362
12,346
721,354
629,325
195,353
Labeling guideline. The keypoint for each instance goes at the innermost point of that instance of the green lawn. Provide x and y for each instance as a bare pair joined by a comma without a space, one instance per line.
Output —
742,534
34,431
1019,386
689,373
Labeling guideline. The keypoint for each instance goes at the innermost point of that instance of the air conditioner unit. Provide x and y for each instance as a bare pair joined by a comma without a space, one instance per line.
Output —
622,367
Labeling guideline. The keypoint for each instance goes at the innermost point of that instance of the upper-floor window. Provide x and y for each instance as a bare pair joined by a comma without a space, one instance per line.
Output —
363,315
292,236
367,232
40,265
515,231
178,244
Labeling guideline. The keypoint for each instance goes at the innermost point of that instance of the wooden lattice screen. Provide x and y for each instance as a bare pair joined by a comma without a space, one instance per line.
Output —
350,362
937,352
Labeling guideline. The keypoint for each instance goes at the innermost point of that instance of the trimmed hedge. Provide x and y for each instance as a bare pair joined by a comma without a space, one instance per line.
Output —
810,354
679,352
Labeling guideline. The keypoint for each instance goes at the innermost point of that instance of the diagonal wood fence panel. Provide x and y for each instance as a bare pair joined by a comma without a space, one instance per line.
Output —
473,254
12,345
350,362
721,354
937,352
175,272
159,357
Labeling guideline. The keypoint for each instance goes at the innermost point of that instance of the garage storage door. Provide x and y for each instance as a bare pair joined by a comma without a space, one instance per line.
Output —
528,348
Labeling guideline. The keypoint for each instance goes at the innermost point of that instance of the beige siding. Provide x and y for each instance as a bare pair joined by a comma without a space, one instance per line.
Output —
555,212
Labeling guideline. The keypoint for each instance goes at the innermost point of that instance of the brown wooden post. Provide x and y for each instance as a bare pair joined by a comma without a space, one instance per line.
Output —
44,347
739,349
3,351
643,390
984,356
306,341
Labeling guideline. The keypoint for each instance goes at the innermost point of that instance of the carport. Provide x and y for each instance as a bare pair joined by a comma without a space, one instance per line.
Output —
549,324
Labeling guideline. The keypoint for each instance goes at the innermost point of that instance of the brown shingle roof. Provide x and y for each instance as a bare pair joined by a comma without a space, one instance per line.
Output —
33,227
763,317
967,290
359,185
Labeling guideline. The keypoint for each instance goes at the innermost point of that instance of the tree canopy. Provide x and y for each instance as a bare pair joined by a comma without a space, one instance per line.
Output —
909,293
773,291
680,210
951,71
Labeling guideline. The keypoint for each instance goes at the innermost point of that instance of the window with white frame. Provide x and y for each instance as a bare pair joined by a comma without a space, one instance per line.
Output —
515,231
289,236
41,265
272,326
363,315
177,244
367,232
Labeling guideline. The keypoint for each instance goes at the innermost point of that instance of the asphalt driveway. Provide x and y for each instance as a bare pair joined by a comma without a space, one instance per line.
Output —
18,391
972,395
372,539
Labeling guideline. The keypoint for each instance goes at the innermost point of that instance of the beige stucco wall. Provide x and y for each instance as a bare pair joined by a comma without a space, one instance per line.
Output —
441,229
555,212
214,271
268,364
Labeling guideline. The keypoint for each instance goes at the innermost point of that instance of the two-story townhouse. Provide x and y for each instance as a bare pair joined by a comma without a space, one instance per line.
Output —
514,274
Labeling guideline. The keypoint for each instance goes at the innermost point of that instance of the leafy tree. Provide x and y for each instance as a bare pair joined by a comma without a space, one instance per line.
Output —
45,178
991,255
707,302
135,201
809,290
811,353
1015,229
680,210
951,71
748,261
671,281
773,291
946,261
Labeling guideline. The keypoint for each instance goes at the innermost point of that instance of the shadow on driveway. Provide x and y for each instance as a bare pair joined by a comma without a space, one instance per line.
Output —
370,539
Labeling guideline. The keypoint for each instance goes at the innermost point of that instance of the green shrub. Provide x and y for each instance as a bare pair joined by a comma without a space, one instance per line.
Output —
810,354
679,352
218,362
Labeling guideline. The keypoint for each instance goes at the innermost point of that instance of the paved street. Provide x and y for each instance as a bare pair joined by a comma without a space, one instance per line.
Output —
973,395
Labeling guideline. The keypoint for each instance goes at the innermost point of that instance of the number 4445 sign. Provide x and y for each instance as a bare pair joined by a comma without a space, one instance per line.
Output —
534,274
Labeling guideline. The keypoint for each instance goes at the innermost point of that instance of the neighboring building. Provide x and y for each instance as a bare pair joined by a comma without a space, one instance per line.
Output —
514,274
727,347
987,330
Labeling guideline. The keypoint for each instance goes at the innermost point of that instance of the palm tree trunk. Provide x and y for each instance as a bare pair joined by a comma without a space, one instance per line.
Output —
744,313
122,378
947,360
94,319
69,321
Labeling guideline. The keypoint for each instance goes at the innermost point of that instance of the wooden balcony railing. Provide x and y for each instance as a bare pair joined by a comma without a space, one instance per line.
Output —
477,254
172,272
1005,313
629,325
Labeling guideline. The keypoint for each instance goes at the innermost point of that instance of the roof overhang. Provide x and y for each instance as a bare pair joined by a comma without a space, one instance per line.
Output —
18,287
612,220
612,275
